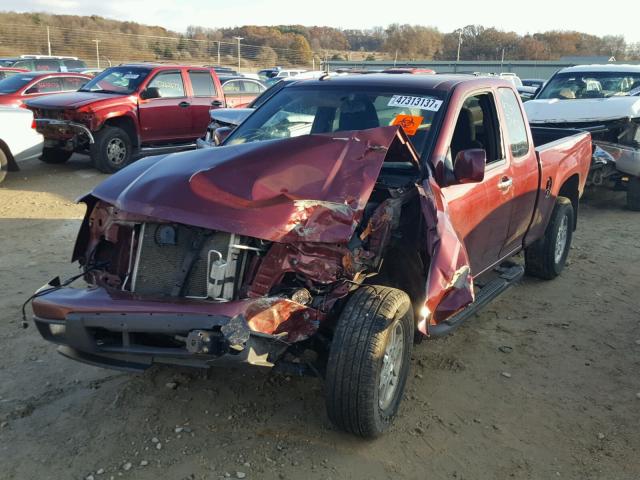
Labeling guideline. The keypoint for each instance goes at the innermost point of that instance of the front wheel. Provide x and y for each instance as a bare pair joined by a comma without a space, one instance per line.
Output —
547,256
369,360
55,155
633,194
4,165
112,150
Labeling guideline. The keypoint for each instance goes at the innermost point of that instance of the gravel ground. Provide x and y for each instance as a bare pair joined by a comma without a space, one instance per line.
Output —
542,384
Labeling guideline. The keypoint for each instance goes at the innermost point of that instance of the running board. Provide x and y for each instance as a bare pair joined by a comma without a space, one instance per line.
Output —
508,275
168,148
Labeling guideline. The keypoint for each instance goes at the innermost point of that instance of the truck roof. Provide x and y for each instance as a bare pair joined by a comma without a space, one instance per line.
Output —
407,80
152,66
602,68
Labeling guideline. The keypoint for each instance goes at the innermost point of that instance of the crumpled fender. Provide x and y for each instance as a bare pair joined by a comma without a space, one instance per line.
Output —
449,280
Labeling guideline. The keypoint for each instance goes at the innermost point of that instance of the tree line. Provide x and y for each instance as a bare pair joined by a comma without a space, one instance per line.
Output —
269,45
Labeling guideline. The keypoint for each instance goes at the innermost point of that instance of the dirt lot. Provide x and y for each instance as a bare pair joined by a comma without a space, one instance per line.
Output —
543,384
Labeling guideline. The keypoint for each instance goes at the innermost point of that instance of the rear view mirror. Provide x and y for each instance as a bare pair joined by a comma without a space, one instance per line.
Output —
149,93
469,165
220,134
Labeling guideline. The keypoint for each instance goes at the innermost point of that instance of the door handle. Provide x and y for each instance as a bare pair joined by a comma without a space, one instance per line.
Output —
216,103
505,183
184,104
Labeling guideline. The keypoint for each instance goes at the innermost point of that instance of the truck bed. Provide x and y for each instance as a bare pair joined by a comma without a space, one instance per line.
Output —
562,153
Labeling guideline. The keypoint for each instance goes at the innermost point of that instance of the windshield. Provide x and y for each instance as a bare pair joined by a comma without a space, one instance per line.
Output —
577,85
14,83
122,80
307,110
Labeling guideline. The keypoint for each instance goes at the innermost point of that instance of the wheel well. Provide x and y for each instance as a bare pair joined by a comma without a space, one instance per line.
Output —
569,190
13,166
126,124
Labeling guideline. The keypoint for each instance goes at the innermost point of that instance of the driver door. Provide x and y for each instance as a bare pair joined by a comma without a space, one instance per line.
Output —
167,118
481,212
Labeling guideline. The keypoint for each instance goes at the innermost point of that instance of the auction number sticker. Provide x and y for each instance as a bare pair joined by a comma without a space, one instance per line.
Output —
423,103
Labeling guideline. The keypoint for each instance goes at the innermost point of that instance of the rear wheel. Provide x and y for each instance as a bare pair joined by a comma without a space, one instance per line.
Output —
112,149
633,194
4,165
546,257
55,155
369,360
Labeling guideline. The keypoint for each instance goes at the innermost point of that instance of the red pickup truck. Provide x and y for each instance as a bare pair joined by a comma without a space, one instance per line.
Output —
342,219
126,111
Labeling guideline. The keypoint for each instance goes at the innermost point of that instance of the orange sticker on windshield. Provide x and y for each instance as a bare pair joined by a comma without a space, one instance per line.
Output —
409,123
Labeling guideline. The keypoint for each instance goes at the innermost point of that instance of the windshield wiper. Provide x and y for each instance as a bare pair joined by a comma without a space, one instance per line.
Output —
99,91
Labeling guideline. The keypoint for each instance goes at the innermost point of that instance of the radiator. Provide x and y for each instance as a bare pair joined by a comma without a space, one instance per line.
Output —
166,251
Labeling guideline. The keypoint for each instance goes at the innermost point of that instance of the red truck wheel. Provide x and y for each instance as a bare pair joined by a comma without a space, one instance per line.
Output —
369,360
633,194
546,257
55,155
112,149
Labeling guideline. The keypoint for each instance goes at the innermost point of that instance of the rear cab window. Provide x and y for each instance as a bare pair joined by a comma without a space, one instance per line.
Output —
514,123
202,83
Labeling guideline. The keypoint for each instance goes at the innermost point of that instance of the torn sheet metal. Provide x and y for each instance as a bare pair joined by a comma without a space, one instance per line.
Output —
311,188
449,281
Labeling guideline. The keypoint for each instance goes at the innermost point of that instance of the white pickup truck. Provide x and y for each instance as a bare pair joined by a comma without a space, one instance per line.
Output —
18,139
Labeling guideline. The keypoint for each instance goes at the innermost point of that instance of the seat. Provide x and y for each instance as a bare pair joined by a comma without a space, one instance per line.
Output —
464,136
358,113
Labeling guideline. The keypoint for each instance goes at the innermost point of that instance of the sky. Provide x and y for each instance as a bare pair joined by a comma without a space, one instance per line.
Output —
521,16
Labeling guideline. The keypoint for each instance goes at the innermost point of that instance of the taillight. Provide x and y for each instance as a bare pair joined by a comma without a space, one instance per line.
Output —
33,123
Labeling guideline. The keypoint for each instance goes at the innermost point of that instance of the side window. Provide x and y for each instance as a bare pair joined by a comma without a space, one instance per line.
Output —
47,65
26,64
202,84
477,127
169,84
73,83
252,87
515,126
232,86
48,85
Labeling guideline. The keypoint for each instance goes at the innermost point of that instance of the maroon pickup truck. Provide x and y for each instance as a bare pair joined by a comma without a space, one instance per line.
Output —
342,219
126,111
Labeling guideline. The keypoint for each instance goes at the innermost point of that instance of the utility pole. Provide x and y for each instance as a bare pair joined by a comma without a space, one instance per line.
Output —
239,38
502,61
395,60
218,52
48,41
459,44
97,42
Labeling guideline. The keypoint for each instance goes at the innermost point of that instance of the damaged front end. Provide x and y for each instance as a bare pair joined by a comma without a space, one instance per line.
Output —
213,255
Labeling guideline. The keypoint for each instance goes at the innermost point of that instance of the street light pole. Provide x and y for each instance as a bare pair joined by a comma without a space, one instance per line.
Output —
97,42
239,38
48,41
459,44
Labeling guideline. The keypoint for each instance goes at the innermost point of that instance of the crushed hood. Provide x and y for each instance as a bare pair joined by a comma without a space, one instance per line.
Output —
70,100
231,116
311,188
582,110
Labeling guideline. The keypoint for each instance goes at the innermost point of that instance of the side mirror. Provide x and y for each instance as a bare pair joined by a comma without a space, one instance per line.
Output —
149,93
31,90
469,165
220,134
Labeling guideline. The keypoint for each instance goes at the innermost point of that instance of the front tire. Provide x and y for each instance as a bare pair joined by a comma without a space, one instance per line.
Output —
369,360
547,257
112,150
633,194
55,155
4,165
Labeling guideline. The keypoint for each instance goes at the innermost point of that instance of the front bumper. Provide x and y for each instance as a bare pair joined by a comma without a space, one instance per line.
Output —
130,334
63,129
